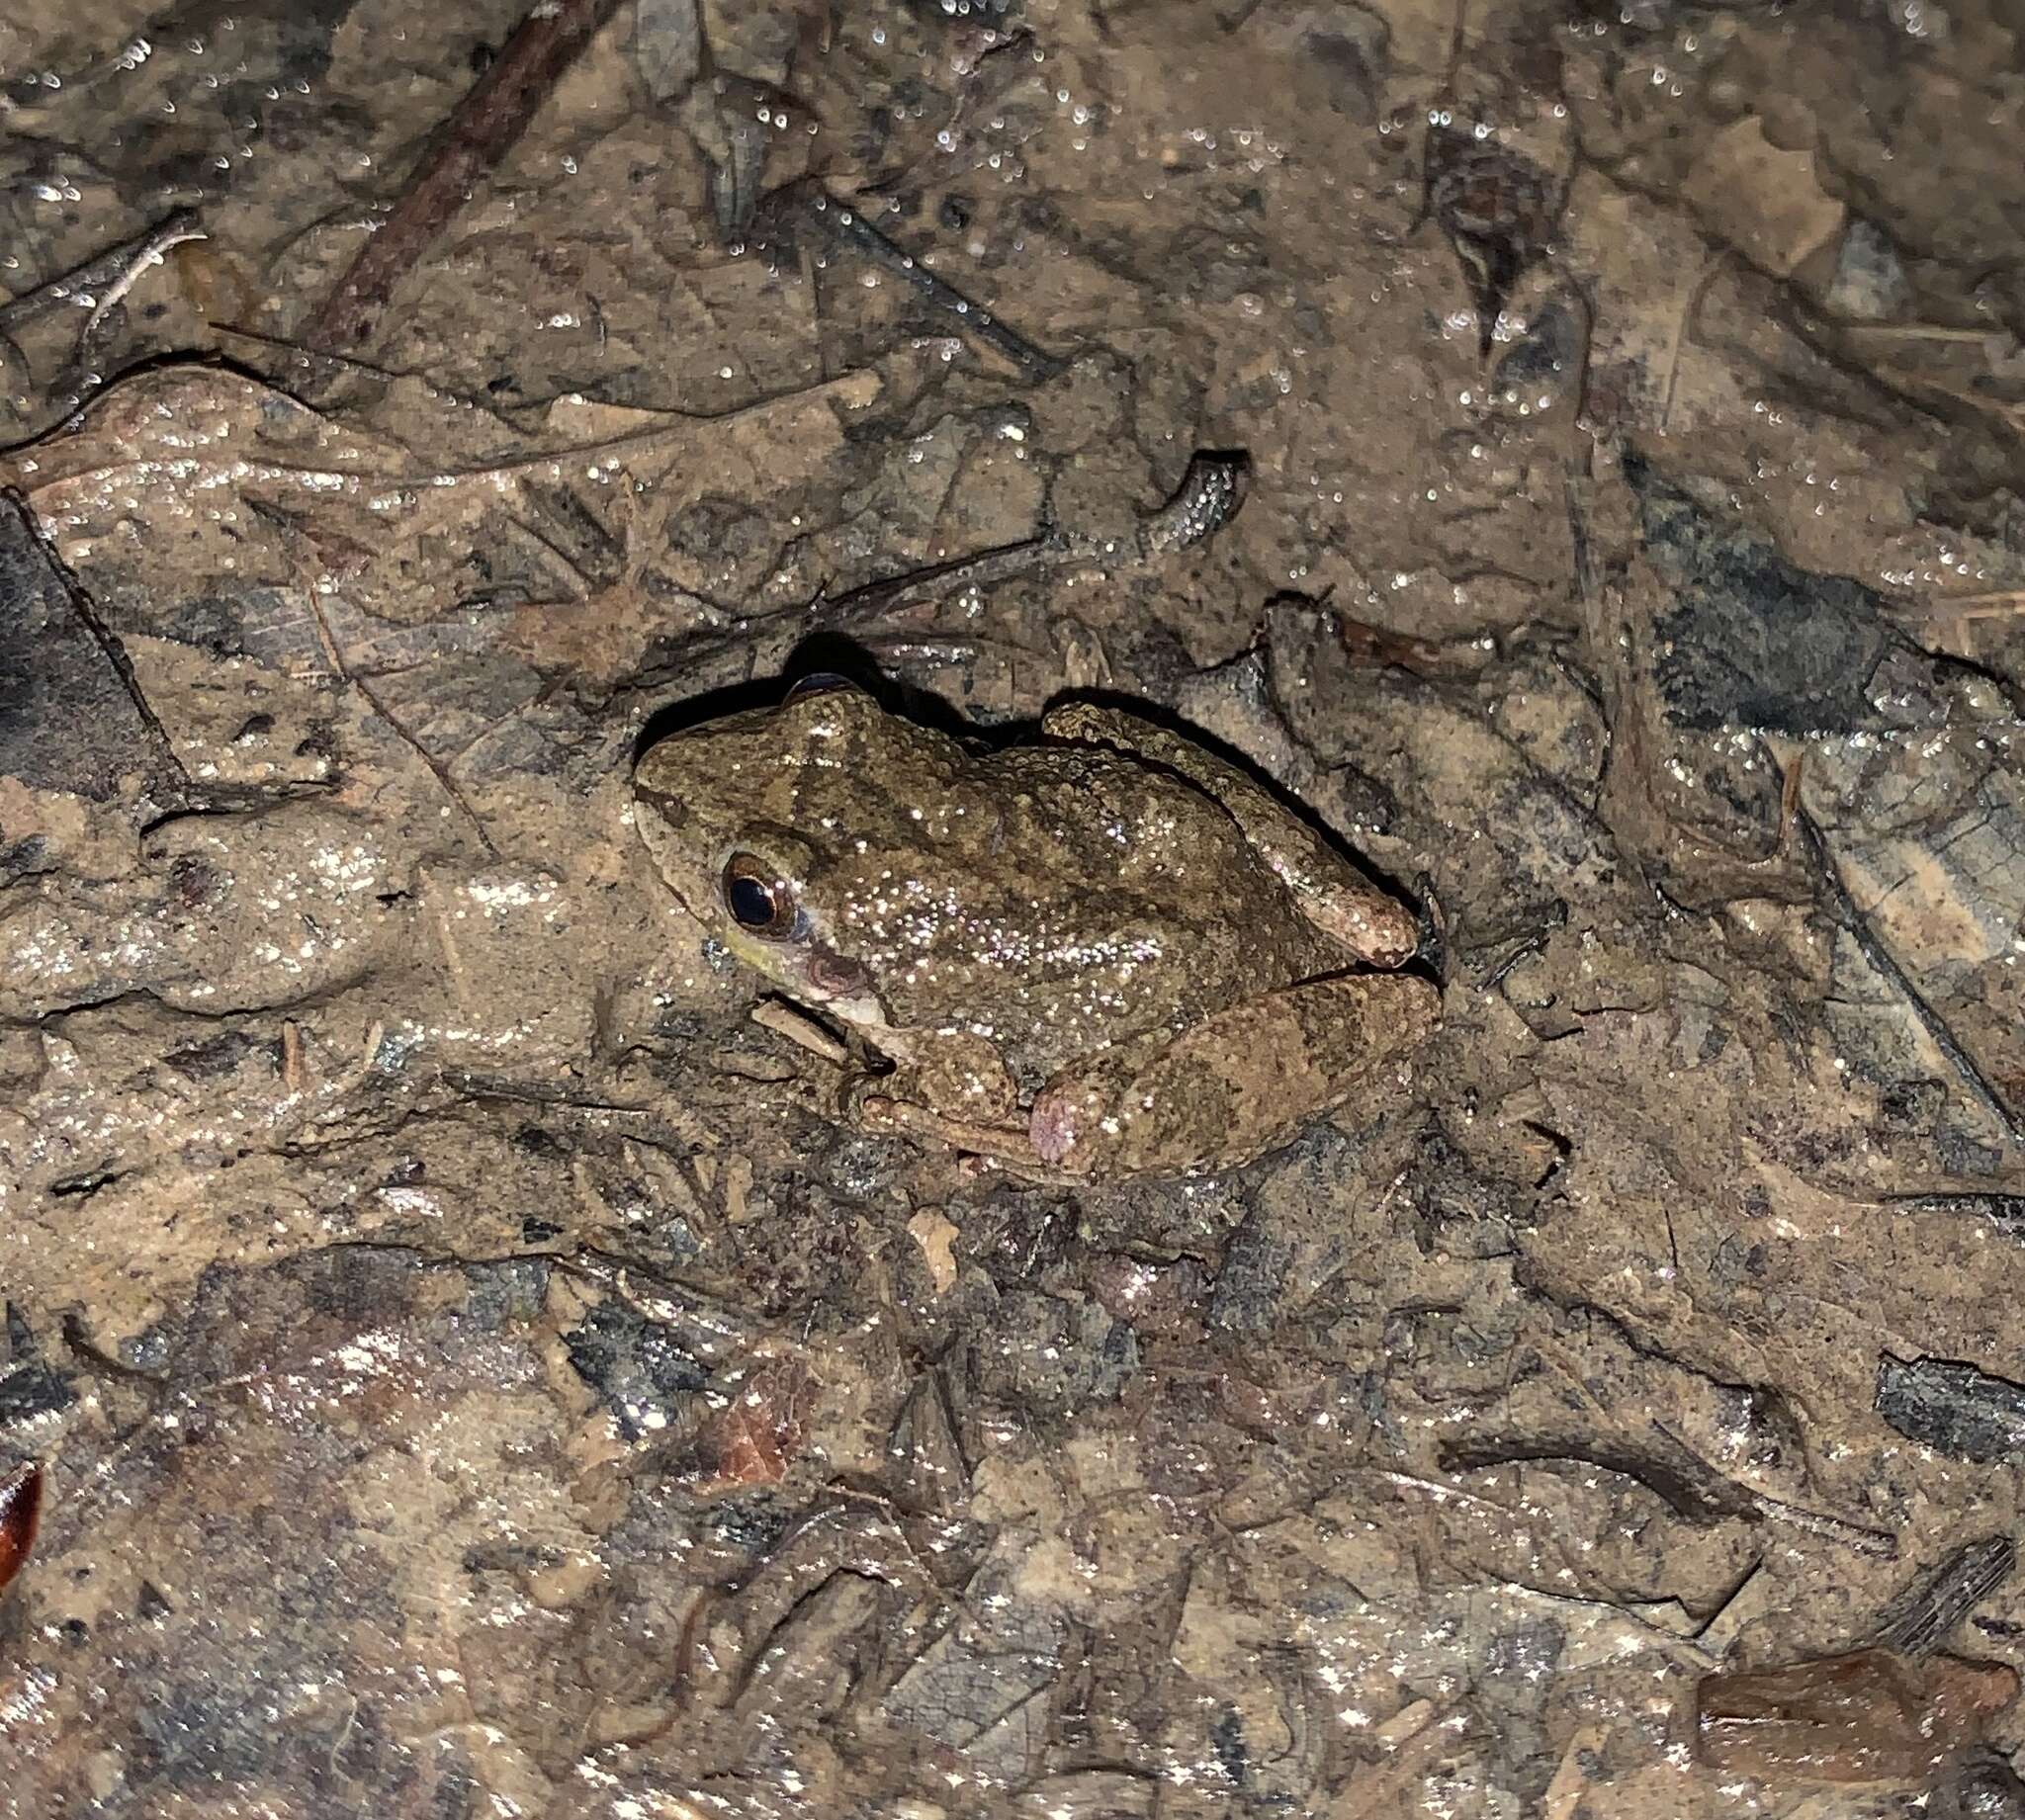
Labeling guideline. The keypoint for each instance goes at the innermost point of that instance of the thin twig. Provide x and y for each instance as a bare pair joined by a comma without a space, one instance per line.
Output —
1211,489
306,355
1441,1493
1917,331
2003,603
1684,327
1860,1536
118,266
853,388
347,675
154,247
938,580
480,131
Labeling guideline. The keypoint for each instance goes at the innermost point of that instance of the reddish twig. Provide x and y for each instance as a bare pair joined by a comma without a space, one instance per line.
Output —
474,139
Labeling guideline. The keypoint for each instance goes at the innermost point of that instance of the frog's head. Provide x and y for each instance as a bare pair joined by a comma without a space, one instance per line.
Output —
743,818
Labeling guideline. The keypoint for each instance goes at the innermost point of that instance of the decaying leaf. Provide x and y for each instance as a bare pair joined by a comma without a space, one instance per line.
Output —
1498,210
755,1437
21,1504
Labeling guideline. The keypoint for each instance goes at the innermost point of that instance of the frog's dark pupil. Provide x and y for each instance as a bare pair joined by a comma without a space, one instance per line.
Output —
751,903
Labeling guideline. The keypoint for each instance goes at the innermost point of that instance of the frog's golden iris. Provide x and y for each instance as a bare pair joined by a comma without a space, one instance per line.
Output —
759,898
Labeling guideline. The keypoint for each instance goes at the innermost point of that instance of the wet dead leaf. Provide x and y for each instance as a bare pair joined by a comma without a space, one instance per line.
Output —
1766,203
1870,1715
755,1439
213,472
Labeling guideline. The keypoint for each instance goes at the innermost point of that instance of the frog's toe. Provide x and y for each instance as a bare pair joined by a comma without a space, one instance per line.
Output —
904,1117
1063,1122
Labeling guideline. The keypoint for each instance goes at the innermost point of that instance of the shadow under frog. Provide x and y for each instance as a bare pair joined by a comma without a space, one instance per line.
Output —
1104,953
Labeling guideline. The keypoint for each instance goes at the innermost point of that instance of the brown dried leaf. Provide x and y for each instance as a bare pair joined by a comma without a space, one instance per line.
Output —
1767,202
935,1233
755,1439
1868,1717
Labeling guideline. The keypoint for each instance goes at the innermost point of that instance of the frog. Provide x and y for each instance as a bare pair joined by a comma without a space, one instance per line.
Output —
1103,953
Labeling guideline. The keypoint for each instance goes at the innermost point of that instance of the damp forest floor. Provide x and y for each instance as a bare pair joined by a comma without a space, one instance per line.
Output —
467,1368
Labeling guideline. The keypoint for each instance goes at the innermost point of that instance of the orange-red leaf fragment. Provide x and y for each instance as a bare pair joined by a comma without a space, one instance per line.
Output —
21,1504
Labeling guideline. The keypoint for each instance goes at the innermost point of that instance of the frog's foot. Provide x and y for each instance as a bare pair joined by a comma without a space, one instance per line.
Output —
1007,1145
1234,1086
953,1092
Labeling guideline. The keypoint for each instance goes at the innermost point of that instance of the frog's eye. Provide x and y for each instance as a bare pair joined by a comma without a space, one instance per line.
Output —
759,898
820,683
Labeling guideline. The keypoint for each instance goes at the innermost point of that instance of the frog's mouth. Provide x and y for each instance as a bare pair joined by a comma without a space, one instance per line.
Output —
811,973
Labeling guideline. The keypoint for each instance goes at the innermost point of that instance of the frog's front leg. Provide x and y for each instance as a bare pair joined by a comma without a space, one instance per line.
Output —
1010,1144
1235,1084
1371,924
947,1088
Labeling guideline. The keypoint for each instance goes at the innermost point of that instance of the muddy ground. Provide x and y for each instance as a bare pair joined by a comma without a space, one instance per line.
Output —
470,1372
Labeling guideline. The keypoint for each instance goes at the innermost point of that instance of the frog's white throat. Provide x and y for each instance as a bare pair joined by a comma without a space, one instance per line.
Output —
860,1010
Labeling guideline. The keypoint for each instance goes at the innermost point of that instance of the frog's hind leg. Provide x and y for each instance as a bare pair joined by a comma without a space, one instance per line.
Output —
1010,1147
1234,1086
1333,896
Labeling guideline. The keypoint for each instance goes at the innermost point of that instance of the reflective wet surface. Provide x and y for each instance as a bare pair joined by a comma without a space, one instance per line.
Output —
470,1366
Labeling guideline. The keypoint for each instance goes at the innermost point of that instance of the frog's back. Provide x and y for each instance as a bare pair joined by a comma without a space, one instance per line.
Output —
1080,897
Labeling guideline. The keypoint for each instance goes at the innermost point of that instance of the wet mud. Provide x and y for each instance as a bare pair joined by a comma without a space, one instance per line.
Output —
457,1361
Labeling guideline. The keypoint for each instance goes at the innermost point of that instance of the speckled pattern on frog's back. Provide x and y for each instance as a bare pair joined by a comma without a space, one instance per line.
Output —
1054,898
